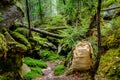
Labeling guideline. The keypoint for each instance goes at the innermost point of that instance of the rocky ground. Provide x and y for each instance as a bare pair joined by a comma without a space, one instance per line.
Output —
49,75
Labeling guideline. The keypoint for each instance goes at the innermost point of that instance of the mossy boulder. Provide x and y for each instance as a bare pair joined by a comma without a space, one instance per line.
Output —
3,45
21,39
110,64
113,40
15,56
22,31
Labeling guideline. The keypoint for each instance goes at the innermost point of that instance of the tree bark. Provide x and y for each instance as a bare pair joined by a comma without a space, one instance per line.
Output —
96,65
46,33
28,18
64,2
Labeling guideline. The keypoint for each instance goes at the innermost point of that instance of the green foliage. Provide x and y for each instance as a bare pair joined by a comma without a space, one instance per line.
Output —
1,18
3,78
3,45
58,20
30,75
34,62
22,31
59,70
72,35
49,55
68,58
113,40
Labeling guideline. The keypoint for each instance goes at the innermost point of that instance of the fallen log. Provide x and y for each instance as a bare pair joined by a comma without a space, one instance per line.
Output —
107,9
42,31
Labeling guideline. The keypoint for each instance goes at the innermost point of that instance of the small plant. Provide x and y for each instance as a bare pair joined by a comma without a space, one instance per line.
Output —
30,75
34,62
37,70
59,70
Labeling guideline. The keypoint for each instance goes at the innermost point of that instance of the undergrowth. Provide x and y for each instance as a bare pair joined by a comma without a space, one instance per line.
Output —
59,70
34,62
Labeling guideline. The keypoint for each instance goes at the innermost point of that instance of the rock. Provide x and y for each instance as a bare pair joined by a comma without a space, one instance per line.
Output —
82,57
24,69
9,15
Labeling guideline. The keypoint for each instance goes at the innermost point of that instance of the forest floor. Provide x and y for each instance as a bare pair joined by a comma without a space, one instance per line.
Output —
49,74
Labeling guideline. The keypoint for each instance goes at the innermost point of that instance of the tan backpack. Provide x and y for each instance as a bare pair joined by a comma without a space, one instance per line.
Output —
81,57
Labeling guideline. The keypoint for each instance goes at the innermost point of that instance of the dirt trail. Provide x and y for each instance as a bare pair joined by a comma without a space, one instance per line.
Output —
49,74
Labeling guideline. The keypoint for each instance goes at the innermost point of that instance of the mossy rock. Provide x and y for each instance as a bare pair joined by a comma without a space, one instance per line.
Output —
59,70
34,62
113,40
15,54
15,47
109,64
21,39
8,2
39,39
114,71
22,31
3,45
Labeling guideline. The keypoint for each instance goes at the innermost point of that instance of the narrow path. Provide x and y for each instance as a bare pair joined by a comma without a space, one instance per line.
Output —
49,74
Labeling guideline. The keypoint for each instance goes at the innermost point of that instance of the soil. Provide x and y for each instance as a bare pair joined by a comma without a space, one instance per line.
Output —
49,74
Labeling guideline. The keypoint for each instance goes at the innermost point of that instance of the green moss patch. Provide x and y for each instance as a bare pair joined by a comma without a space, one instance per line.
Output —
109,65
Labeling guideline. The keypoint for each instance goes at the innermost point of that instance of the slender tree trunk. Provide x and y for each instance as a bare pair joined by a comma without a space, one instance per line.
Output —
64,2
28,18
96,65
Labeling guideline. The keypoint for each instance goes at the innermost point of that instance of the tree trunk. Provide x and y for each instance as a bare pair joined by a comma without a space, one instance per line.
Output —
46,33
64,2
28,18
96,65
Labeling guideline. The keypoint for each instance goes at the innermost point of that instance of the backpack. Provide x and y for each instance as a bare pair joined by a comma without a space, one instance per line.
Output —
81,59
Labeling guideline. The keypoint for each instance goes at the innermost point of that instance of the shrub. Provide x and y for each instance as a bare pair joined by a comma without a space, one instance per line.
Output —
59,70
30,75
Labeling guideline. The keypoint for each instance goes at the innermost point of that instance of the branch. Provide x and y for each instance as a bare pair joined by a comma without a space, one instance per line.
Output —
42,31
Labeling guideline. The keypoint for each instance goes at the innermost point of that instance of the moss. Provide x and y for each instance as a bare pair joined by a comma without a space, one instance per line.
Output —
1,17
39,39
114,71
59,70
113,40
109,63
15,47
21,38
3,45
34,62
22,31
58,21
